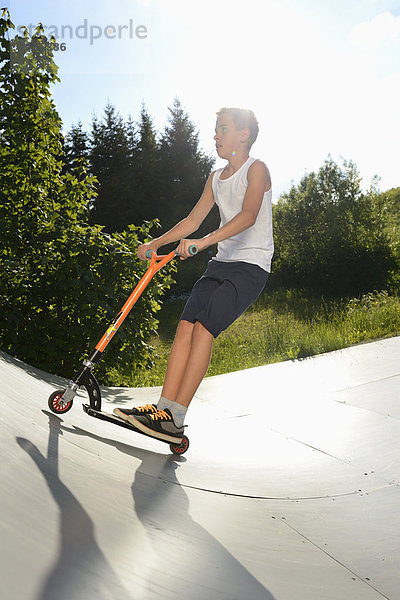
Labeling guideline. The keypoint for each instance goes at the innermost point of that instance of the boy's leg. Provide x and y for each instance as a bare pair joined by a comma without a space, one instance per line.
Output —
188,363
220,299
177,361
197,364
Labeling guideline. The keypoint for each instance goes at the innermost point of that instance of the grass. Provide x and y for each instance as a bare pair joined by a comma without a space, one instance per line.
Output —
281,325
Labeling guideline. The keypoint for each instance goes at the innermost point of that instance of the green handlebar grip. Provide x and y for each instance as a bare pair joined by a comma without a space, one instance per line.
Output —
192,250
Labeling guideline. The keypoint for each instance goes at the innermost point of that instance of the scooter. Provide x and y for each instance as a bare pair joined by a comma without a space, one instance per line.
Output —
61,401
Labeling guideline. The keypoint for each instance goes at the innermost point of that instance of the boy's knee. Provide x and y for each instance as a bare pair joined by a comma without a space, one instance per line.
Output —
185,327
202,330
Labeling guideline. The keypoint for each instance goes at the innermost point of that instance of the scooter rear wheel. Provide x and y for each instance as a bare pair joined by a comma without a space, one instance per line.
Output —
56,405
180,448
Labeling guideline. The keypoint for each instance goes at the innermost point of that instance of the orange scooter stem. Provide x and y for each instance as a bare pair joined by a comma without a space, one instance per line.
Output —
60,401
156,263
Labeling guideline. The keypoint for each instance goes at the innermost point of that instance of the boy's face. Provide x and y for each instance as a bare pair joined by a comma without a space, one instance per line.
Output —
228,139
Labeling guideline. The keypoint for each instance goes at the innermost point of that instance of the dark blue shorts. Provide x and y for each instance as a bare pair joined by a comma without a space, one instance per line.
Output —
223,293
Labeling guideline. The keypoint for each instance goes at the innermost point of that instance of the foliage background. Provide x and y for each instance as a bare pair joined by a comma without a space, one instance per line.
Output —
74,207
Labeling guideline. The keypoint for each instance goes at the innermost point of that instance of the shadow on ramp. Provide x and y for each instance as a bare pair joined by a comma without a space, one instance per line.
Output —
185,558
81,570
307,511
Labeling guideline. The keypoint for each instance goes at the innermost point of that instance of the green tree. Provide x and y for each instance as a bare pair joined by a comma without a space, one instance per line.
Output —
387,207
61,281
144,179
76,146
184,169
110,159
327,235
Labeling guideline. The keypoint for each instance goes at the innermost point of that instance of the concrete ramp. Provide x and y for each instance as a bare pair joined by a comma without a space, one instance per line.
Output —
289,490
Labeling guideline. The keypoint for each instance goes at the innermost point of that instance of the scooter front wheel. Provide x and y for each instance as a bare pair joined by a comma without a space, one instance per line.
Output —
56,404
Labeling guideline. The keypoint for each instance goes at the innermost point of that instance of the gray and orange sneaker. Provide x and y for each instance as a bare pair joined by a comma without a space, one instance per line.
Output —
125,413
159,425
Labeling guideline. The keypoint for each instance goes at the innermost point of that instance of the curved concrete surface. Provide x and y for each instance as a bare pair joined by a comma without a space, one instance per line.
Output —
289,490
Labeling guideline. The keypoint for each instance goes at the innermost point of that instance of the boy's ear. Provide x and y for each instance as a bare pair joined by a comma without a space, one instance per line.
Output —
245,134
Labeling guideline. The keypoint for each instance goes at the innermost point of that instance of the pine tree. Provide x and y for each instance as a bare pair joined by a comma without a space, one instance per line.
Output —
183,172
184,169
132,139
76,146
145,177
110,159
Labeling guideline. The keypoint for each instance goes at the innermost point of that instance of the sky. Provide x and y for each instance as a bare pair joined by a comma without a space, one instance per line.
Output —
323,77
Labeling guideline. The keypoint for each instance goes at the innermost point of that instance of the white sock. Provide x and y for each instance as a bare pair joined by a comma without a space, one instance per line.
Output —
177,410
163,403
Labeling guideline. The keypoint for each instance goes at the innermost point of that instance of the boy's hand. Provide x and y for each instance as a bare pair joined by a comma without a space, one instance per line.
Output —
184,245
143,248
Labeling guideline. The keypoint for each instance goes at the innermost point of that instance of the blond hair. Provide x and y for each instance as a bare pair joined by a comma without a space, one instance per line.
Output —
243,119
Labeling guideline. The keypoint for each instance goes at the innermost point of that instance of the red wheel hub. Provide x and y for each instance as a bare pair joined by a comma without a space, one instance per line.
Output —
58,407
183,446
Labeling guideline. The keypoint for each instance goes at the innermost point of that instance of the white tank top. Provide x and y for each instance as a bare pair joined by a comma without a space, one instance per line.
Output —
255,244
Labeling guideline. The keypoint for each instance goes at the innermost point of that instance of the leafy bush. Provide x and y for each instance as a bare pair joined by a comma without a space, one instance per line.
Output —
330,237
61,281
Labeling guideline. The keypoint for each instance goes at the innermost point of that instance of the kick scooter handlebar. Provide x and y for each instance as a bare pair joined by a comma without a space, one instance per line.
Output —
192,250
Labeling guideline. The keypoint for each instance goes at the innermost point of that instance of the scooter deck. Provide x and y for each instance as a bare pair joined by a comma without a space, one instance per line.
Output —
104,416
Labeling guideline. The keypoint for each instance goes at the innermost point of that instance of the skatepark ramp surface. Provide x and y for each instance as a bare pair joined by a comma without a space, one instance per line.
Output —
289,490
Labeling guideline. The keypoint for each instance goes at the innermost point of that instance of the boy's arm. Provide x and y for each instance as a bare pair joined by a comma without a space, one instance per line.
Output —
187,226
259,182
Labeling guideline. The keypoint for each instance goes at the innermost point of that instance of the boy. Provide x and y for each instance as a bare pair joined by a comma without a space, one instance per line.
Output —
234,278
